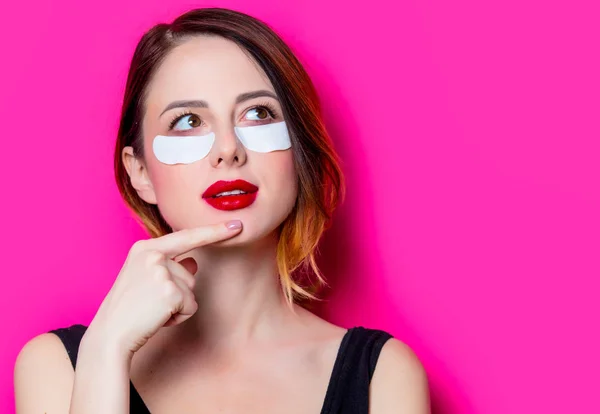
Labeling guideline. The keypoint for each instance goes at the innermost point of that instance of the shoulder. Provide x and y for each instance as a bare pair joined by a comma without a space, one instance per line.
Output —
45,349
43,370
399,383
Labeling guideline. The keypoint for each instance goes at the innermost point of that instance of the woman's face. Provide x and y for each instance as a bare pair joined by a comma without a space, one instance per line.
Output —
236,93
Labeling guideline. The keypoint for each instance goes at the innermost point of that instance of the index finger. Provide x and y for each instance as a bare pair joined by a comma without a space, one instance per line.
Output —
182,241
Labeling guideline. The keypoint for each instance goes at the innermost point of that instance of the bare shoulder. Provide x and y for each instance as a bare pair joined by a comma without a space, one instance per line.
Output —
43,376
399,384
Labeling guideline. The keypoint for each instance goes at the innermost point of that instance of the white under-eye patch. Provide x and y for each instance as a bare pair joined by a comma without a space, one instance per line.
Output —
182,150
188,149
264,138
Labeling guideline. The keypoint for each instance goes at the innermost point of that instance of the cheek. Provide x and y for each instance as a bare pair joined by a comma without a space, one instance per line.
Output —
163,178
173,185
286,165
281,173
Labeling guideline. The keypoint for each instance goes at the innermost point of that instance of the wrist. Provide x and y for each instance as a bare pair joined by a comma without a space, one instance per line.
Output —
105,346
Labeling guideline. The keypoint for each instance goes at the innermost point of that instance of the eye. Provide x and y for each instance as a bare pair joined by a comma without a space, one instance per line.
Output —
185,122
261,113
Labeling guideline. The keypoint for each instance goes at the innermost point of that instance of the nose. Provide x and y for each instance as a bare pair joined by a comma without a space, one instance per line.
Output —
227,149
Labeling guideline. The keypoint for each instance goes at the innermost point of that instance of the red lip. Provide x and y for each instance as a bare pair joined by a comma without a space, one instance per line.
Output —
230,202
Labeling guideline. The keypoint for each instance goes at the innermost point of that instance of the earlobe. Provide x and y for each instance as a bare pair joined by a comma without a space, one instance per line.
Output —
138,175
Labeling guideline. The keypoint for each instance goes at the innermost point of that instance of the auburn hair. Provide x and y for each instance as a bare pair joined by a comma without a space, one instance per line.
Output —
320,179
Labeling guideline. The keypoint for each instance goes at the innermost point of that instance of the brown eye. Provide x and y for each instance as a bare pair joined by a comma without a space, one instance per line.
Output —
185,122
259,113
262,113
194,121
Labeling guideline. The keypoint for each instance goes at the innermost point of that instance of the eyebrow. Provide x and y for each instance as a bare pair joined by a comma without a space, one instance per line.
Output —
199,103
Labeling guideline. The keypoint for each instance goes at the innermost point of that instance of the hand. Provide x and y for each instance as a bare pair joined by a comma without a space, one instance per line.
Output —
153,290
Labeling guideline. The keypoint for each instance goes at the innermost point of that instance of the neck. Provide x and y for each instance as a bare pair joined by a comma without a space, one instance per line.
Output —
239,297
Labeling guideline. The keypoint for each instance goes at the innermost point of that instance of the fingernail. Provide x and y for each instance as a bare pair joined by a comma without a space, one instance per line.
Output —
234,224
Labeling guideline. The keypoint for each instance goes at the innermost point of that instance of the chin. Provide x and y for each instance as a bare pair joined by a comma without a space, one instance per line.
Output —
247,241
252,235
254,232
260,223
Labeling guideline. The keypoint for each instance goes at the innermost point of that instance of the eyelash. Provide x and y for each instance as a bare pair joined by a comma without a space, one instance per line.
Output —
266,105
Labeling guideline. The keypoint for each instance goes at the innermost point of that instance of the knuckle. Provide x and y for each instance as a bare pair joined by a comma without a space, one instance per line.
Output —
153,257
161,274
192,283
170,289
138,246
172,294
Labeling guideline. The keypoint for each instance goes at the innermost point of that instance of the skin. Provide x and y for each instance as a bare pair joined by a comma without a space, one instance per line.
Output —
197,318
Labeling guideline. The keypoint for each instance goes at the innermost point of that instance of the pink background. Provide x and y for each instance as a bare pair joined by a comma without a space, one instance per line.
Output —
469,133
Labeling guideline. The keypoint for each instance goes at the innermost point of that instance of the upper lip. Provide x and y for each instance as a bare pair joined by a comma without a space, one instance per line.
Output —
221,186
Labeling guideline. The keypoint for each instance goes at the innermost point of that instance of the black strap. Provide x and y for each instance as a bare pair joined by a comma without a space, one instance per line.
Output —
348,392
353,371
71,338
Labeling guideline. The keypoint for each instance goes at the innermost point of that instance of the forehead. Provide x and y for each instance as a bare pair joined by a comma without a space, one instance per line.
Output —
209,68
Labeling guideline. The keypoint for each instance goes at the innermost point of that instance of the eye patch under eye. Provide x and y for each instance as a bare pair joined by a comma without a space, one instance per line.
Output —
264,138
182,150
186,150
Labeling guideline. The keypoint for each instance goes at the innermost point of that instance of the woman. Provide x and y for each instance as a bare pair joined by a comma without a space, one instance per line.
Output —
223,155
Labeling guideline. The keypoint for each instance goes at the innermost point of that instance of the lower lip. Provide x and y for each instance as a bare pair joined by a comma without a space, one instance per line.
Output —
232,202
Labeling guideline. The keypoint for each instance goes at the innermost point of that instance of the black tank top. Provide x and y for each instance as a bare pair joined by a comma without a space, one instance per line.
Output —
348,388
